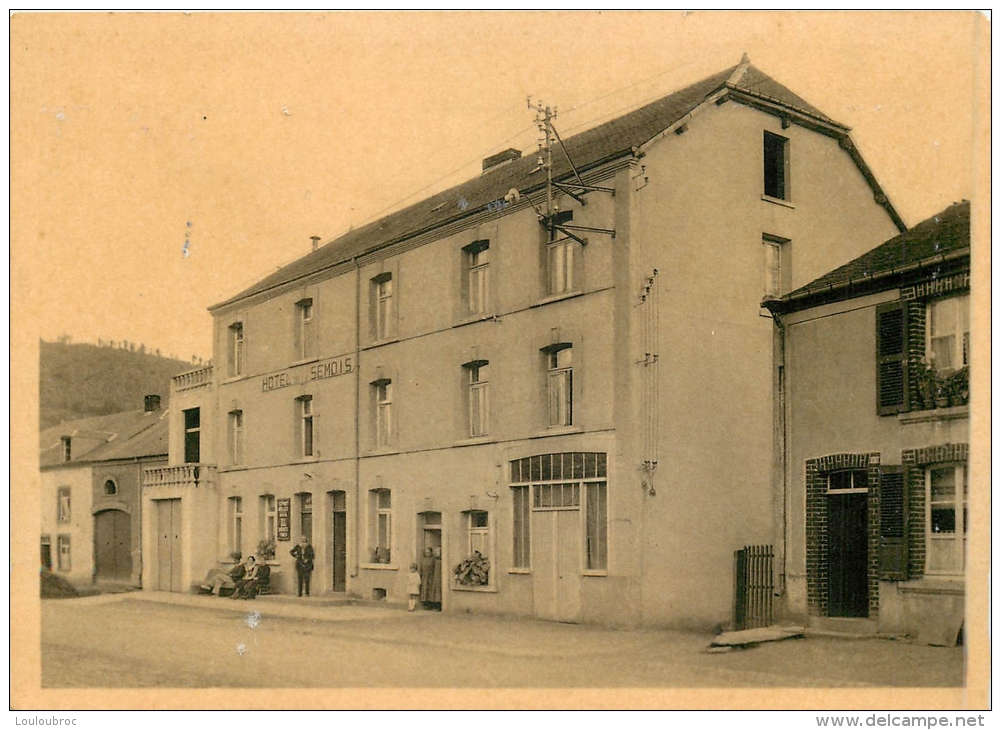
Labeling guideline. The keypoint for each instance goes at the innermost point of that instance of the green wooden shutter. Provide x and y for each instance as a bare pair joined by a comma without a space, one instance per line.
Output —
891,358
892,523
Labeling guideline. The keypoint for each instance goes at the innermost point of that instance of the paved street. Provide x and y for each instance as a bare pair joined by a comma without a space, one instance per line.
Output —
136,640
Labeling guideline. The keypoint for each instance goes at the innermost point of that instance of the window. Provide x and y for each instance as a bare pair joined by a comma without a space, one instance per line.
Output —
777,278
562,482
381,525
63,505
67,448
236,349
776,158
306,516
192,435
560,385
849,480
110,488
383,413
948,328
304,329
596,530
947,490
477,374
236,524
382,289
46,552
63,549
478,530
477,264
269,516
305,408
522,533
236,437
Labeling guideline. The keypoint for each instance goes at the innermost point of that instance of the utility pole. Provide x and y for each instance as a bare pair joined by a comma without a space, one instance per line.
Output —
544,116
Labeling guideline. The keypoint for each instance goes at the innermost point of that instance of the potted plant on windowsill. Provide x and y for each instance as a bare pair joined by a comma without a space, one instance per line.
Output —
266,550
473,571
382,555
958,386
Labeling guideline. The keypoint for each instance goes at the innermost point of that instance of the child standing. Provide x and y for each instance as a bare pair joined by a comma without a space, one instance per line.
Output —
413,586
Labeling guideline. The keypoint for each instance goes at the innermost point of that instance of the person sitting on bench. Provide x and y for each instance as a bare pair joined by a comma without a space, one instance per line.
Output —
218,580
257,574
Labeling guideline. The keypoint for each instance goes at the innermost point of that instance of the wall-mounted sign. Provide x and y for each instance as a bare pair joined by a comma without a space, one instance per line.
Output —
318,371
284,520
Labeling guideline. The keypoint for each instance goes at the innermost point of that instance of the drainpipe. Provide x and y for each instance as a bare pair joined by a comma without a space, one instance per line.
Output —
782,456
357,500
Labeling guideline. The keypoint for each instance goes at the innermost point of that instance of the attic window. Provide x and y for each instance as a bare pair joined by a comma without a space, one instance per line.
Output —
776,166
67,448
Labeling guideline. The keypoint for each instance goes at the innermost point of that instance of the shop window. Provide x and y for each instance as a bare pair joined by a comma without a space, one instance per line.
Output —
946,495
476,261
63,553
383,310
269,517
192,435
236,437
63,505
236,345
776,166
235,524
304,336
381,524
304,405
559,384
478,397
596,529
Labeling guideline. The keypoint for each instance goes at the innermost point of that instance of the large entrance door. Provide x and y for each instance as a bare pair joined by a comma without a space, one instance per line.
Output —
338,541
848,553
168,545
113,545
556,564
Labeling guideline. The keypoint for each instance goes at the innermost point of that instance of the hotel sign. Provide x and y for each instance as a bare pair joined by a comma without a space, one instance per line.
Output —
318,371
284,520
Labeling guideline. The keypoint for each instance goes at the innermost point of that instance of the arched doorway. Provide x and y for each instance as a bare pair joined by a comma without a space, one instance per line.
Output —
113,546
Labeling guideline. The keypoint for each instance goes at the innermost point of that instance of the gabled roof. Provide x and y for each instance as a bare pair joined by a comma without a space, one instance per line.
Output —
930,240
128,435
608,141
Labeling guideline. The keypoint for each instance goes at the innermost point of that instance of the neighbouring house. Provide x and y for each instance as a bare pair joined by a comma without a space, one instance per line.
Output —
91,472
873,421
569,377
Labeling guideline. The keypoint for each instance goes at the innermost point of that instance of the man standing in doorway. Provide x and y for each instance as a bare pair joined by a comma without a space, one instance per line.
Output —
303,554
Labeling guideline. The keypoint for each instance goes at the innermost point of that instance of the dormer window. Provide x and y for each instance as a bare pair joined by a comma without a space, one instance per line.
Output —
67,448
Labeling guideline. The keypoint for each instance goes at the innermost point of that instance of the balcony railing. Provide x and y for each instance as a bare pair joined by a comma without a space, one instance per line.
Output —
193,379
186,475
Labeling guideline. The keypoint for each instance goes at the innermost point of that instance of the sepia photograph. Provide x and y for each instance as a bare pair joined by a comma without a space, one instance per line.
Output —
563,360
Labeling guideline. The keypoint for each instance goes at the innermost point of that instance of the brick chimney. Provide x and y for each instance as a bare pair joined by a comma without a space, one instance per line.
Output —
152,403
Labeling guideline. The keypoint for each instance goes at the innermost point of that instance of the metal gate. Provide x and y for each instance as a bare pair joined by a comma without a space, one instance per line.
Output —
753,587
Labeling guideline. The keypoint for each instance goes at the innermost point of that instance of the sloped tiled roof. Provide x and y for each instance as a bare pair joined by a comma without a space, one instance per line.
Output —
608,141
102,438
942,234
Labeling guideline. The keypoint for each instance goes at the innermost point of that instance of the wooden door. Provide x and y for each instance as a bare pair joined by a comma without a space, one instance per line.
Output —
556,545
112,545
168,545
339,549
848,555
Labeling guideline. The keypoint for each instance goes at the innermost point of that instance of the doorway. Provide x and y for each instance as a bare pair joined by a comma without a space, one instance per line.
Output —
429,537
113,546
168,545
848,555
338,541
556,564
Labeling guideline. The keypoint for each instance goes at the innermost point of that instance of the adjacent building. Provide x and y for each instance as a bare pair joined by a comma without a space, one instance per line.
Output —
91,472
568,385
872,365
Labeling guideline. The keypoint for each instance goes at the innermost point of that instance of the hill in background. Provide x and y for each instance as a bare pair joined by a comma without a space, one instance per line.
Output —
81,380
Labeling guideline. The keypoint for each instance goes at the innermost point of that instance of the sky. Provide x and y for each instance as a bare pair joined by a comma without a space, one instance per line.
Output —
162,162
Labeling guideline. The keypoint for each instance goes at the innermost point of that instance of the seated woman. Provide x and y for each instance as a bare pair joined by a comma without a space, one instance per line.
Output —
257,574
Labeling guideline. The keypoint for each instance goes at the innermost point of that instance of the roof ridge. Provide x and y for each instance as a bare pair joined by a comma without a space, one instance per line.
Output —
740,70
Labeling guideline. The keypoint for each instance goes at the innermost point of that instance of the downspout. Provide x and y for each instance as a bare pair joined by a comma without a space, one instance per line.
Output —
357,500
782,456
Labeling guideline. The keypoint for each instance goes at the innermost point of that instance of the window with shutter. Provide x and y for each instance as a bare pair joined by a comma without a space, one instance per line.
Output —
892,523
891,358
